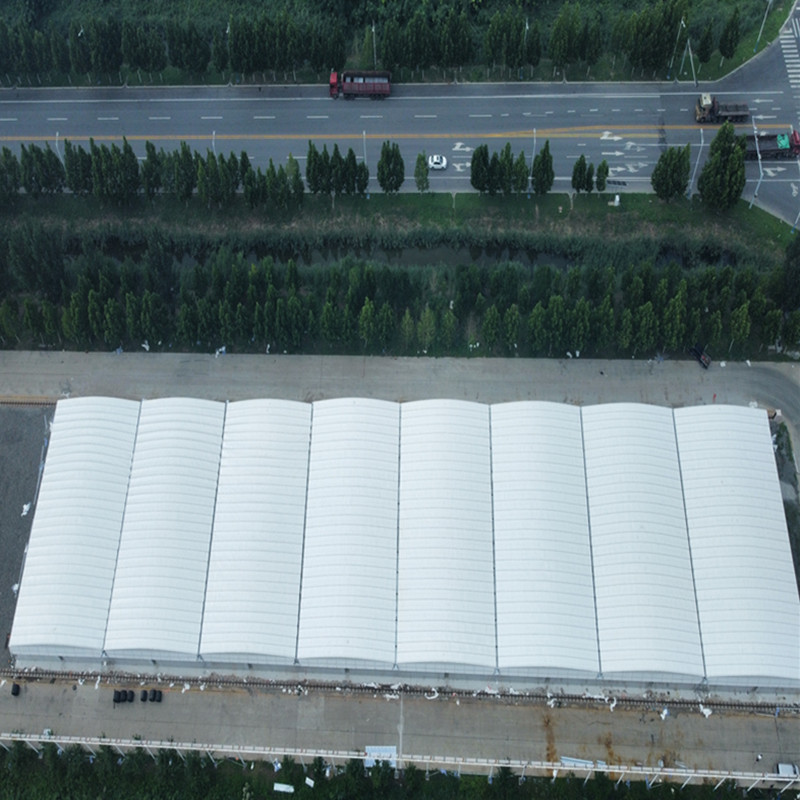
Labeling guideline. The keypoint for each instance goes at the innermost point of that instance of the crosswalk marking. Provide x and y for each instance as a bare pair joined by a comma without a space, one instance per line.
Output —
791,54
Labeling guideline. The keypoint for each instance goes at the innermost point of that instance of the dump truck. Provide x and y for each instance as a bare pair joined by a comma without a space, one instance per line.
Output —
773,146
709,109
353,83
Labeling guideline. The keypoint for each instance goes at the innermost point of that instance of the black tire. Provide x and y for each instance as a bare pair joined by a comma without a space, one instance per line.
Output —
143,696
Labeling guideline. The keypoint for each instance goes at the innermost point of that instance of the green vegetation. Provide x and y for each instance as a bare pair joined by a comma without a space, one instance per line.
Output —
396,274
83,42
169,776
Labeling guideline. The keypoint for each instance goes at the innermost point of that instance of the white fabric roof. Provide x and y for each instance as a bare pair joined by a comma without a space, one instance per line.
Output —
746,589
435,536
646,610
72,552
257,545
545,596
348,596
157,600
445,576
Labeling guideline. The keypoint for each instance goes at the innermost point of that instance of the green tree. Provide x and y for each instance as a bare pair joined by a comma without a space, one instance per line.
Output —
543,174
492,327
479,169
426,329
185,173
512,322
645,328
421,172
602,176
407,331
579,174
625,332
506,169
740,324
670,177
519,178
367,323
706,46
391,169
588,180
731,33
362,178
722,179
674,319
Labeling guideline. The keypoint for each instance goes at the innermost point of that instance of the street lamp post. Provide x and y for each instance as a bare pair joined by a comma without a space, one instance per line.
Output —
763,22
675,48
374,49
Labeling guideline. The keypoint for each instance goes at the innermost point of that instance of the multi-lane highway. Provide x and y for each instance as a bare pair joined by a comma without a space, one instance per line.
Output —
627,124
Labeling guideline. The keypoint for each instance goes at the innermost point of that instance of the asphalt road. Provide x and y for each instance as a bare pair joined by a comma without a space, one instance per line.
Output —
628,124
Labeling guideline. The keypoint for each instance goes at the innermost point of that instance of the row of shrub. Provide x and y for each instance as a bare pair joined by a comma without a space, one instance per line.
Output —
87,298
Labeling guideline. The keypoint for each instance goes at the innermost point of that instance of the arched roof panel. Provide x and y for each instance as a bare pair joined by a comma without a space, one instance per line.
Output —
257,544
746,588
445,578
348,596
545,597
159,588
72,552
646,609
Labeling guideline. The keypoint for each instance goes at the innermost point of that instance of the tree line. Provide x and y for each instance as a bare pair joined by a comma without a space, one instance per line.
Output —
54,298
80,775
443,33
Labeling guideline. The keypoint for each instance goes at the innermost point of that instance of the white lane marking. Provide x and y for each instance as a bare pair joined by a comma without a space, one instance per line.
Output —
8,119
479,116
56,119
107,119
158,118
424,116
316,116
591,110
264,116
210,117
372,116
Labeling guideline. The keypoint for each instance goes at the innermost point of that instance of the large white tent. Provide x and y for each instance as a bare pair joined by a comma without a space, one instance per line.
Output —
526,540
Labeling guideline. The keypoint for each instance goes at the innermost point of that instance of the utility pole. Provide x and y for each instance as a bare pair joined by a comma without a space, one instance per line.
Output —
675,48
763,22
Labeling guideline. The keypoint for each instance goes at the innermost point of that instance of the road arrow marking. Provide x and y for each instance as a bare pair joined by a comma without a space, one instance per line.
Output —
764,116
609,137
616,153
631,145
794,189
460,147
773,171
460,167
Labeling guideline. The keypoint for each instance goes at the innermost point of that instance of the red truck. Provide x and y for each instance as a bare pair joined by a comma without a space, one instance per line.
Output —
772,146
351,83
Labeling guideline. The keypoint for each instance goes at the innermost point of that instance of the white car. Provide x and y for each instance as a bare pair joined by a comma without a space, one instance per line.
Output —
437,162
